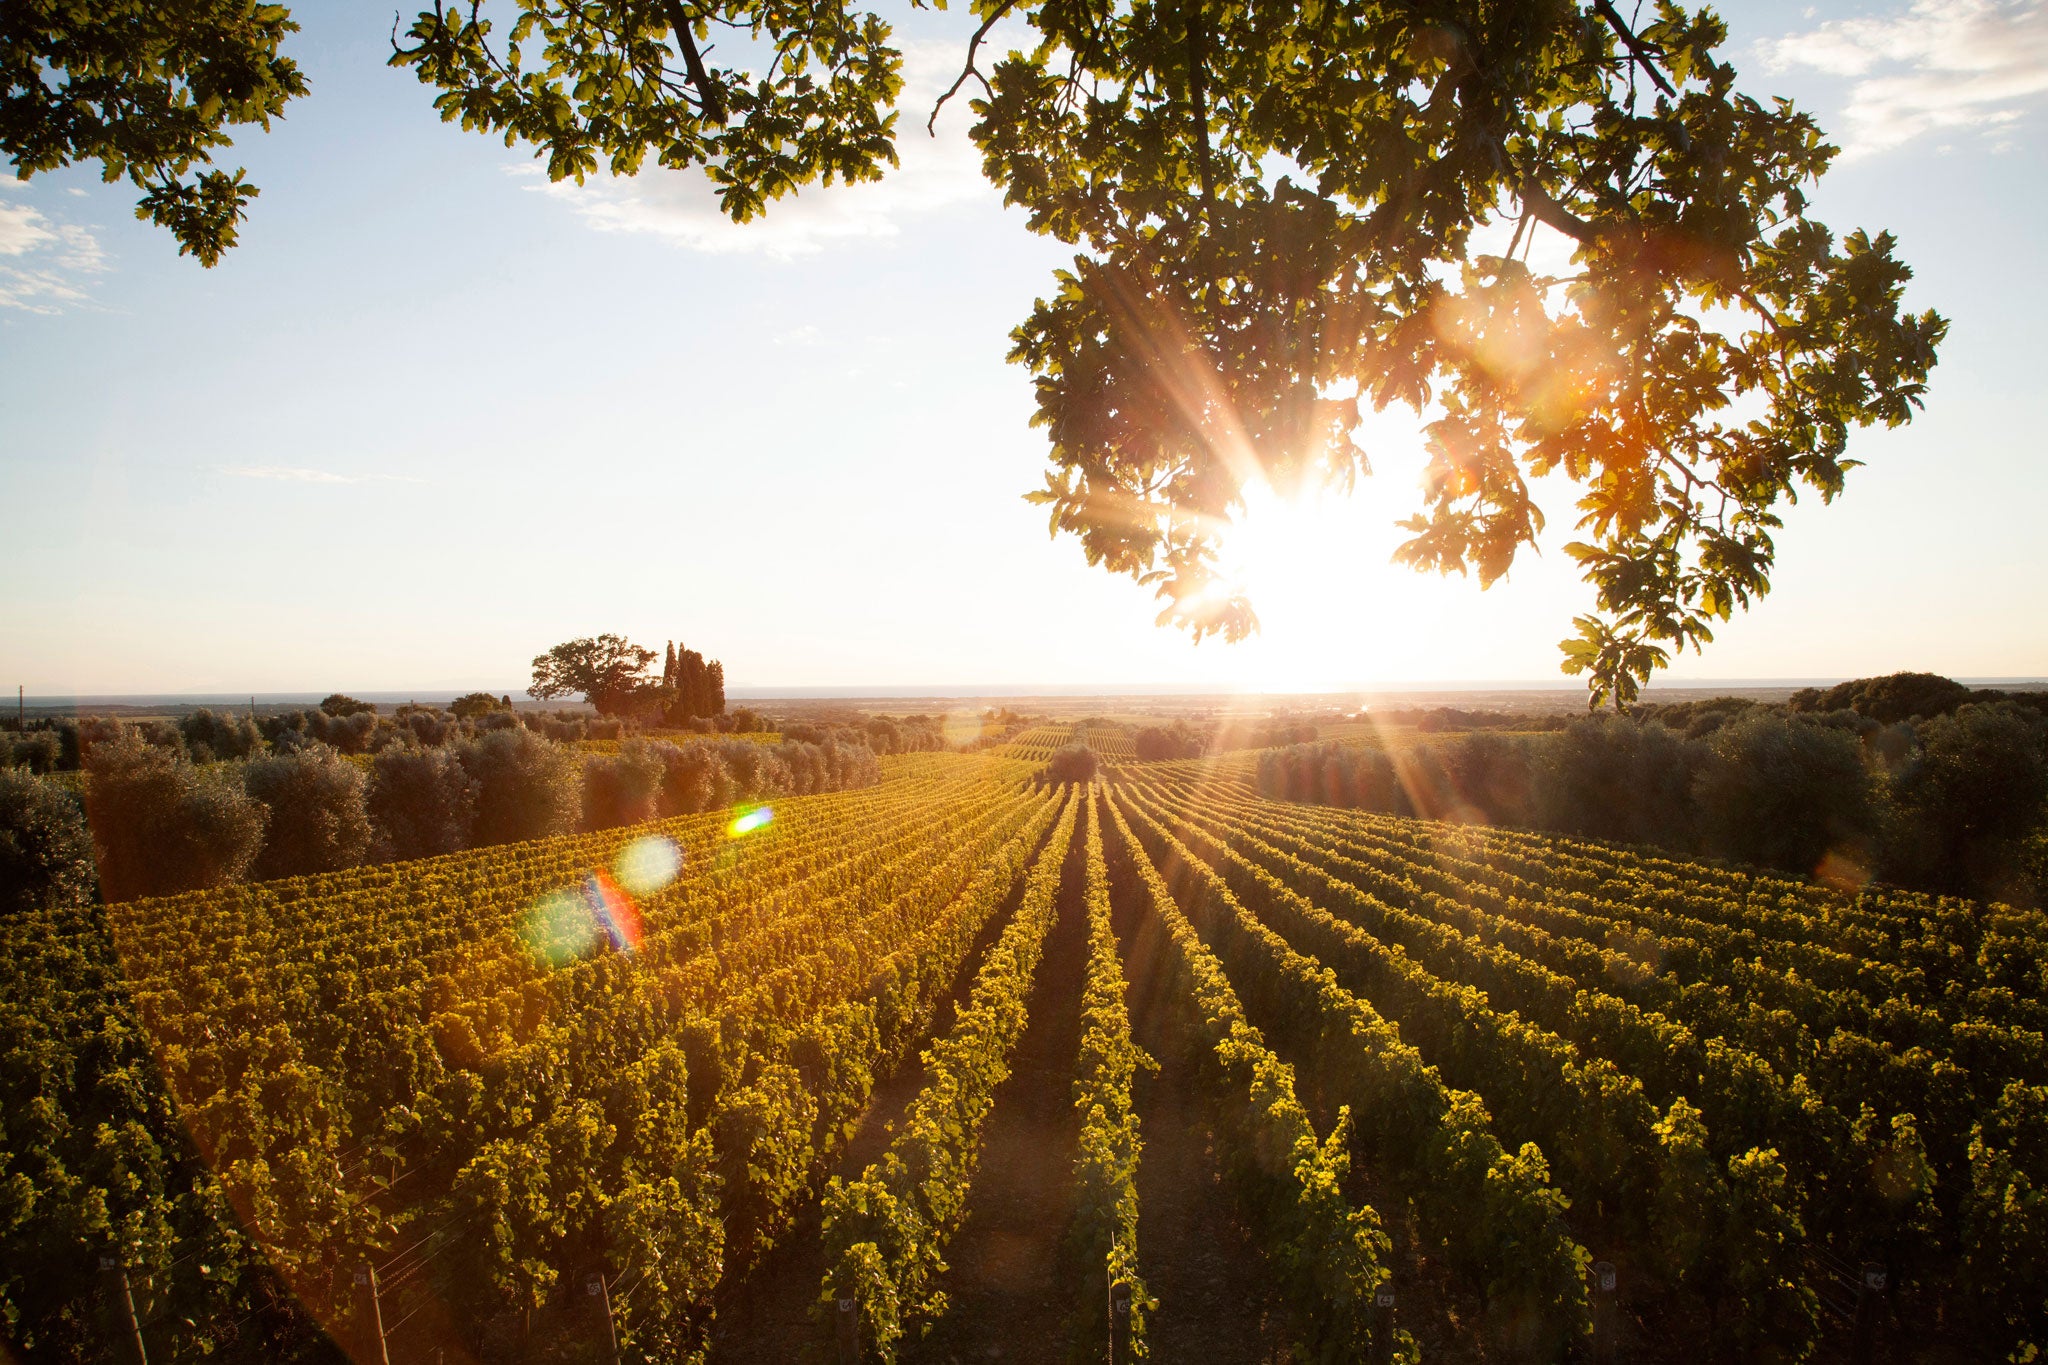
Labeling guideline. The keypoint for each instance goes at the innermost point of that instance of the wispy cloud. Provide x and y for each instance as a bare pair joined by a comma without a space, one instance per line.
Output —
43,262
1941,65
293,474
936,173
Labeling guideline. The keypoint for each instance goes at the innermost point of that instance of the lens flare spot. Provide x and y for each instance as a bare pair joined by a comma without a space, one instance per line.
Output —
559,929
648,864
615,912
758,818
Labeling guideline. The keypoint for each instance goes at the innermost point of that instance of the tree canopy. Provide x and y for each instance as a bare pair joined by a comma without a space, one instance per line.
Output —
606,670
1283,215
149,91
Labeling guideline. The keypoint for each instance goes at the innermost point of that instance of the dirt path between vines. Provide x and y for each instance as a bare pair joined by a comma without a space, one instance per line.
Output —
1009,1287
1199,1259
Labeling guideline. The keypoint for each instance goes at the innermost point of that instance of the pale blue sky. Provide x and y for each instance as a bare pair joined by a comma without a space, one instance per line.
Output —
432,416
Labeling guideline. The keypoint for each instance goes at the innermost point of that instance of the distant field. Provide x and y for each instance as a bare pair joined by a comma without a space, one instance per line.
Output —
956,1049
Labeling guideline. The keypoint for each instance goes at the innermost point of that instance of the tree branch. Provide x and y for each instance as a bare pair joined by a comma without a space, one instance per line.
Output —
1638,50
973,48
1551,213
709,101
1198,98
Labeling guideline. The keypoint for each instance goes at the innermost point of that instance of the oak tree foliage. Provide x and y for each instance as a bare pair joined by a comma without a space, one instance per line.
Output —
150,91
1283,215
606,670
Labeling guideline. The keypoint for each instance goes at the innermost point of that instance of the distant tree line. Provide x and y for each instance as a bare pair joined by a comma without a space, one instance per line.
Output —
349,727
914,734
1178,739
146,820
1955,802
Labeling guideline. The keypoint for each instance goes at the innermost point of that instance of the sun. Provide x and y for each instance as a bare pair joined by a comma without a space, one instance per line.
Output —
1333,610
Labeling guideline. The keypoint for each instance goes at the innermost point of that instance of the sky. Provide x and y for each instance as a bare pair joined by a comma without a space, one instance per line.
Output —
434,414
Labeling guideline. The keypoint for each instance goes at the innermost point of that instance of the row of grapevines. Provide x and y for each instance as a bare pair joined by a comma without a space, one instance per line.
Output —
1893,943
1330,1254
1038,743
1495,1213
1889,1105
1106,1164
1919,1145
283,1085
885,1233
787,1078
1640,1178
1892,1056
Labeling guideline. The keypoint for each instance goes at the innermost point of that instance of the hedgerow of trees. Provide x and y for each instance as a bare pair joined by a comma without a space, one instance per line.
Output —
153,822
1955,803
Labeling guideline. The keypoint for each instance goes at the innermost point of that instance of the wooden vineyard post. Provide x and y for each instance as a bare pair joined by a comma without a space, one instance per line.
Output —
1383,1324
1871,1283
600,1296
121,1309
1119,1318
1604,1311
848,1331
369,1316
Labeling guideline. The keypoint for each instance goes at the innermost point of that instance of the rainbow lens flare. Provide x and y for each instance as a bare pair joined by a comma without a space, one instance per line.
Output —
648,864
615,912
758,818
566,925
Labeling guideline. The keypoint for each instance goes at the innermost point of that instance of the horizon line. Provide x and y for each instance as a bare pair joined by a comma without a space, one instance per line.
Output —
757,692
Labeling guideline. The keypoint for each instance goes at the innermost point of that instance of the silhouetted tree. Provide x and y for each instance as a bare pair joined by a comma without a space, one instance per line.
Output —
1069,763
1613,778
45,847
623,788
527,787
39,751
1894,697
161,826
607,671
1487,778
473,704
1177,740
1776,791
209,736
340,704
319,819
1970,796
422,802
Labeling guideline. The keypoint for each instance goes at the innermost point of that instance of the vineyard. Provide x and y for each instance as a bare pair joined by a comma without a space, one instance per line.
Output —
1151,1066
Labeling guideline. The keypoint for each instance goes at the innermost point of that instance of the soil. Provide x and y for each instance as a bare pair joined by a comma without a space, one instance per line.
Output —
1011,1294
